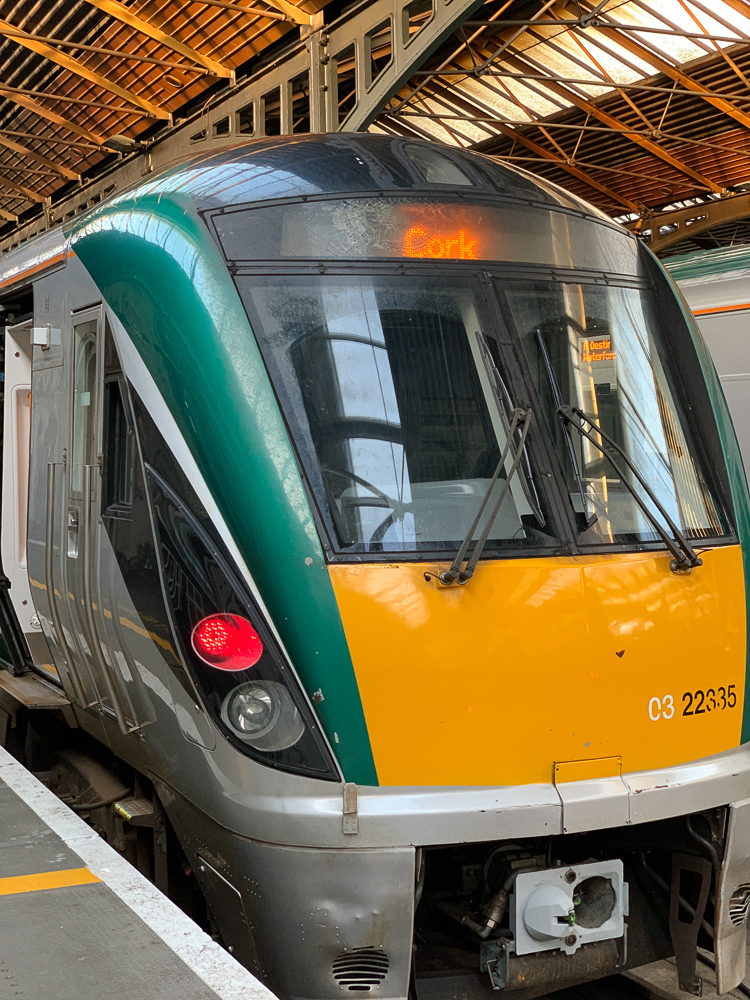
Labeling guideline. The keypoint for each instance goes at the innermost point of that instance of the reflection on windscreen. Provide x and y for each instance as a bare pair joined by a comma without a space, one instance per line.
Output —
386,390
599,349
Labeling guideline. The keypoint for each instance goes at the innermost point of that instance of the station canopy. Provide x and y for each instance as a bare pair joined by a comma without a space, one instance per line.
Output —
642,108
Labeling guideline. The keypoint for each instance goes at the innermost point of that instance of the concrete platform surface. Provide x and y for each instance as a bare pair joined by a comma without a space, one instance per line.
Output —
77,922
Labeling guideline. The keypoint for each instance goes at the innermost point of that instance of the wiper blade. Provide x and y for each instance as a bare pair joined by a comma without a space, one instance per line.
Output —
557,394
520,420
505,409
685,556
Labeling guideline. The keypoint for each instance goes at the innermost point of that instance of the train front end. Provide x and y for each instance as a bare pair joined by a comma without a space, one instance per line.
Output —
478,529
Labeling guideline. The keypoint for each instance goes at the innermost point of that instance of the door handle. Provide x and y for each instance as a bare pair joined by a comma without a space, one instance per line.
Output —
73,533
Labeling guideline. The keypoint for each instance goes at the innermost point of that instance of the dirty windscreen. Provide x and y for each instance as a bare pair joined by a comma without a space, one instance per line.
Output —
602,349
393,390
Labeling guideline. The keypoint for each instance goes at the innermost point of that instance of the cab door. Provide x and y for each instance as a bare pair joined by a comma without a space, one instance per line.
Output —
80,531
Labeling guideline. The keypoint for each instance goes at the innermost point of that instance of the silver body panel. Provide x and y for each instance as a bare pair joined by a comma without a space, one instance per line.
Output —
726,330
730,928
340,900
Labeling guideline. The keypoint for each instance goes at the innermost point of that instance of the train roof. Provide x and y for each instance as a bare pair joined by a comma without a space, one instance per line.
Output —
312,165
308,166
708,263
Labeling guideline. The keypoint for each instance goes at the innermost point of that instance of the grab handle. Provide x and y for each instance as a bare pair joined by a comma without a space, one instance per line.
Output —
49,567
96,649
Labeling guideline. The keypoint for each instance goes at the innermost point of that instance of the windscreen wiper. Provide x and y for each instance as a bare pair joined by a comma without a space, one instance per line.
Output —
520,420
685,556
557,394
505,409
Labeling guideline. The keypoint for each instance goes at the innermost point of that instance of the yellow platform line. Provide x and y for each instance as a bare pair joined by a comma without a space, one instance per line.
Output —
46,880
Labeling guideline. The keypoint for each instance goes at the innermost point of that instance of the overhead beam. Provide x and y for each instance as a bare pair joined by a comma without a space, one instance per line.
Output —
465,45
236,8
124,14
38,158
67,99
20,189
570,168
577,81
565,164
100,50
295,15
8,216
51,116
50,140
741,6
595,111
690,222
673,72
78,68
291,11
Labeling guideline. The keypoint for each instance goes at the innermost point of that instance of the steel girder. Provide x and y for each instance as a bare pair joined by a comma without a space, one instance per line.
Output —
668,228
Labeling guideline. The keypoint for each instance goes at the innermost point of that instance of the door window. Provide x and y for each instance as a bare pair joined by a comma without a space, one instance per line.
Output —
118,451
84,401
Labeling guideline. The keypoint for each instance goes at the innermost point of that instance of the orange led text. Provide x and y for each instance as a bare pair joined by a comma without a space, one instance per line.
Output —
419,243
597,350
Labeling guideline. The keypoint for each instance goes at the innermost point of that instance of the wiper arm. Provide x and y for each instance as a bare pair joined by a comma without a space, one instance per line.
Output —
557,394
685,556
504,408
519,419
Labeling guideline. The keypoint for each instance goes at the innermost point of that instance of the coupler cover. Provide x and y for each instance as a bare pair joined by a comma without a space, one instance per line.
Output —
563,908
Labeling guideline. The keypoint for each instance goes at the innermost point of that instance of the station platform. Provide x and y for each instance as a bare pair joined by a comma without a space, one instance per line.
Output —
77,922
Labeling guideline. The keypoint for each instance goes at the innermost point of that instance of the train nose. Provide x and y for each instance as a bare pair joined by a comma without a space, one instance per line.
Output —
545,665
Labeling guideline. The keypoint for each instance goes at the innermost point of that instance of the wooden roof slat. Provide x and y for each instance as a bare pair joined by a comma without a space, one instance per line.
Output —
566,163
663,66
122,13
573,98
20,188
49,115
79,69
55,165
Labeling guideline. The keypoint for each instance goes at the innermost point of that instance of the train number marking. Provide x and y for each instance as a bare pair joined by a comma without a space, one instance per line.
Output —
661,708
700,702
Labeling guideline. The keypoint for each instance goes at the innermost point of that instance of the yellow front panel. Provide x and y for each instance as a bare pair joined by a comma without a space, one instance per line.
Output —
544,660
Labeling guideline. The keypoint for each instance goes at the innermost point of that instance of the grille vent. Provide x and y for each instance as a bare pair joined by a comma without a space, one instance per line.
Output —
739,904
360,969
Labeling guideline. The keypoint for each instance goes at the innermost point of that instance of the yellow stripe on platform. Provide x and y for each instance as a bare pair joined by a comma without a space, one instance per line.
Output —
46,880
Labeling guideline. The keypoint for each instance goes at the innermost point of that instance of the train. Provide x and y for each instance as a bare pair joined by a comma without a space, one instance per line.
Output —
715,285
375,544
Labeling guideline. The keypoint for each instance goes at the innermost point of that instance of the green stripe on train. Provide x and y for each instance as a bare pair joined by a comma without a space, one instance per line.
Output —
703,262
158,268
736,471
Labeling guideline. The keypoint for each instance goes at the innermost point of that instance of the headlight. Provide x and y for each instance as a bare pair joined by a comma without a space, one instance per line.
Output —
263,715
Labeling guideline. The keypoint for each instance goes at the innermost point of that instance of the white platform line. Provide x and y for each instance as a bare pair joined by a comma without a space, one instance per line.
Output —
216,967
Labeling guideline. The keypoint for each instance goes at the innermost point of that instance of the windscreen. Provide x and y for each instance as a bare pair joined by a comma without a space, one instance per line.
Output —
603,350
394,391
361,228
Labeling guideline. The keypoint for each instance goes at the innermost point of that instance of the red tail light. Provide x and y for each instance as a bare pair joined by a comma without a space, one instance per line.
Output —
227,642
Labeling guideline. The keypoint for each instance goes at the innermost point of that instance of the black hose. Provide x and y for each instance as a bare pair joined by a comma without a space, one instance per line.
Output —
711,848
98,803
